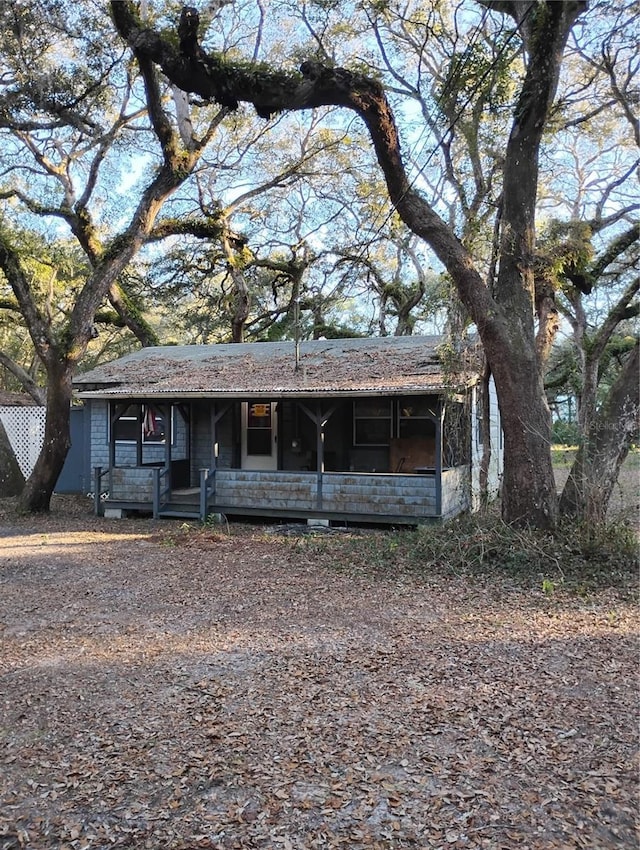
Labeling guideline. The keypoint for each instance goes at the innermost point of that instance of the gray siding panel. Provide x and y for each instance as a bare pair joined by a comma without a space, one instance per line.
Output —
368,495
244,488
132,484
455,491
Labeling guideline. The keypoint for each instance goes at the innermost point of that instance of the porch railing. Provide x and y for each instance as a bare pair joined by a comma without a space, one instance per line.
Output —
161,492
298,493
301,493
207,490
98,502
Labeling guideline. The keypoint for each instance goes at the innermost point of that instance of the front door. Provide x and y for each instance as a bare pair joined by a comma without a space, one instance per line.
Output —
259,435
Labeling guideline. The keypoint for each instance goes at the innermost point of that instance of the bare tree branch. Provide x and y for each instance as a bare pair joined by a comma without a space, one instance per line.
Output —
38,394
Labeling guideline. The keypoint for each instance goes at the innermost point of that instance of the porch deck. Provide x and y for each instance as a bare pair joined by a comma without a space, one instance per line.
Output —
338,496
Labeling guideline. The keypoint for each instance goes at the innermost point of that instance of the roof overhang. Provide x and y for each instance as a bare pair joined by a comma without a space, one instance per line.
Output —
274,393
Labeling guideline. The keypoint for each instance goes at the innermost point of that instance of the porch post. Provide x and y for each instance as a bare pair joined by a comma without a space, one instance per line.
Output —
320,419
204,474
114,416
216,416
439,459
214,435
139,436
320,422
166,412
97,483
155,494
207,478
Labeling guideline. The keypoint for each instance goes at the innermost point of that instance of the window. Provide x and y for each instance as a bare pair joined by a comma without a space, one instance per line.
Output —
416,416
372,420
125,428
146,417
153,425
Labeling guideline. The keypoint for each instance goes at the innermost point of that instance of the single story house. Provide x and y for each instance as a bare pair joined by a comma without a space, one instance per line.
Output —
359,430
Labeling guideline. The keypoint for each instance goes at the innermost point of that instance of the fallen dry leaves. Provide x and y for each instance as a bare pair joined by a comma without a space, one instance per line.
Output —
186,690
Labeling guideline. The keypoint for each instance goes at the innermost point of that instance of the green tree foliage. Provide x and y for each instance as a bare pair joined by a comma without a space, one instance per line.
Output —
72,119
589,253
503,316
451,107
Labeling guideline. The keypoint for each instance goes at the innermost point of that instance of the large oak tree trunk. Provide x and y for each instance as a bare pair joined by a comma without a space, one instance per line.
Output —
11,477
605,446
36,496
529,491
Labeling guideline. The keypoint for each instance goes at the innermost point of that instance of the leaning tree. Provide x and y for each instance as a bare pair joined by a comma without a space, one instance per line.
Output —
513,326
589,247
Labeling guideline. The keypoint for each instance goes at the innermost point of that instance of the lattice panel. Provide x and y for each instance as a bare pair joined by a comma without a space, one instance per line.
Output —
25,429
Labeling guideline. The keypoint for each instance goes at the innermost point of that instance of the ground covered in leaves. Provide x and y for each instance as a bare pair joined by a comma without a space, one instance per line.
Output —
165,686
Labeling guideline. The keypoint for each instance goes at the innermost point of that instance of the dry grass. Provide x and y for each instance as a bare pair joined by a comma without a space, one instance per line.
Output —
625,499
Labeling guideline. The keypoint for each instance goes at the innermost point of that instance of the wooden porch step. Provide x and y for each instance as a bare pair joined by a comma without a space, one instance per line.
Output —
180,510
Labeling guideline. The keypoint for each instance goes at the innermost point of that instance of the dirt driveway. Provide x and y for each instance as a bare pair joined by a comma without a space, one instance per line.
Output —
167,688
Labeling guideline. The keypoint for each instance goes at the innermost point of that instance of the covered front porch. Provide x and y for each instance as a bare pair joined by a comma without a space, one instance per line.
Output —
332,496
390,459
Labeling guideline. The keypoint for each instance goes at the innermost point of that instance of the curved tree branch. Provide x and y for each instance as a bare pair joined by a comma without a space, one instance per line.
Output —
614,250
38,394
214,78
131,316
39,330
621,310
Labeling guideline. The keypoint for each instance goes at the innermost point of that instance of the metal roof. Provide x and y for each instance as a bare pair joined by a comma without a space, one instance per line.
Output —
373,365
